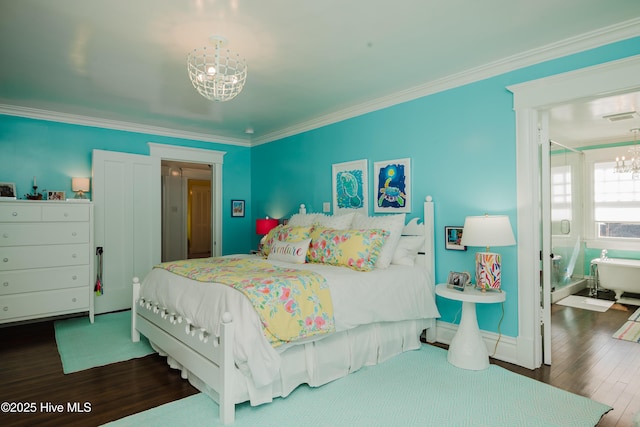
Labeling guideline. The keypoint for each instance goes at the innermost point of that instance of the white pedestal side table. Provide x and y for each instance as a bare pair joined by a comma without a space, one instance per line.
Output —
467,349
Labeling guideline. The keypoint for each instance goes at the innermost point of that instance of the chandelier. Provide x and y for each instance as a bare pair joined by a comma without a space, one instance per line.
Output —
216,73
633,166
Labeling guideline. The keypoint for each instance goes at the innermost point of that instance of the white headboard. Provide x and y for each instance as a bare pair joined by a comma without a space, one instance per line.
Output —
426,256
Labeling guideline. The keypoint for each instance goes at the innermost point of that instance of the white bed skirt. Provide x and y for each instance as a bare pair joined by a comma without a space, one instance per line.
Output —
322,361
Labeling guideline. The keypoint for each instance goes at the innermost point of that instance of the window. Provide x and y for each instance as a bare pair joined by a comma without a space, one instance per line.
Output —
616,203
561,193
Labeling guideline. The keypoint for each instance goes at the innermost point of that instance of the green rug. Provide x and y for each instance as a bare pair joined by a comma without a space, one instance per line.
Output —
417,388
83,345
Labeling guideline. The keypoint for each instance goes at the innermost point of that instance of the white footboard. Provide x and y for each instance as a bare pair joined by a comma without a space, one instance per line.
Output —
208,357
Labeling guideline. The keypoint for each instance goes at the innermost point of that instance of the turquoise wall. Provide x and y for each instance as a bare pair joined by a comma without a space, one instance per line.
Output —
55,152
461,142
462,146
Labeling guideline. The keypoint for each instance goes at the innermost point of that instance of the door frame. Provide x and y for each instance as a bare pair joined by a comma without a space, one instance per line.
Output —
529,99
196,155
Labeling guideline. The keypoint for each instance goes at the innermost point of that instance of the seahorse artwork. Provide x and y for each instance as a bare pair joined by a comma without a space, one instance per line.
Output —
349,189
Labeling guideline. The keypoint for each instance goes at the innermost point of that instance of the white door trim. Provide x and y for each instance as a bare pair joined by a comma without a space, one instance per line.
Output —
196,155
588,83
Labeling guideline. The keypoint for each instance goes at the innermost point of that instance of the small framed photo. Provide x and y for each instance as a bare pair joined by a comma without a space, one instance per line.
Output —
55,195
452,238
237,208
7,191
457,280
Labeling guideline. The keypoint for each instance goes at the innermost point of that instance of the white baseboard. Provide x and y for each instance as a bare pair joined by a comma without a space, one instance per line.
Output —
505,351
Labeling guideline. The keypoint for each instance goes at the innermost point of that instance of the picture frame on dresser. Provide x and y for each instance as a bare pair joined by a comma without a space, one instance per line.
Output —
56,195
7,191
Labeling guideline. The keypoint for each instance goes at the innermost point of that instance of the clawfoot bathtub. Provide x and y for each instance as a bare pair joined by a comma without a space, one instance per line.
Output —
619,275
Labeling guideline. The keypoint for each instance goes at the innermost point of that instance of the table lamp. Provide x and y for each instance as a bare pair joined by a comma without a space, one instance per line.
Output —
487,231
80,186
264,226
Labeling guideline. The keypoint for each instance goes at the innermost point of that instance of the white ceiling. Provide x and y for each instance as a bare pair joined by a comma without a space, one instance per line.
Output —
309,62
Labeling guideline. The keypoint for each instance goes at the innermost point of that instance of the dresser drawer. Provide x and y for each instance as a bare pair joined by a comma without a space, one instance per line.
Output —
65,212
41,304
27,257
20,212
41,233
42,279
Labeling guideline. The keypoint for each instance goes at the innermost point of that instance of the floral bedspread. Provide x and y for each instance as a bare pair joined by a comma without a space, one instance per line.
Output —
292,304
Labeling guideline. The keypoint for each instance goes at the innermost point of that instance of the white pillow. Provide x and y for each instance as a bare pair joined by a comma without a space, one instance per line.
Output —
407,250
293,252
337,222
302,220
391,223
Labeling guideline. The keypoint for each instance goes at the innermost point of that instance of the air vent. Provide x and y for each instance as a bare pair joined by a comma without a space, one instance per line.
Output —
621,116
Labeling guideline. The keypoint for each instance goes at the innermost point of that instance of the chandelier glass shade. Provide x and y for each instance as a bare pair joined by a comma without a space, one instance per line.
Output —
215,72
623,165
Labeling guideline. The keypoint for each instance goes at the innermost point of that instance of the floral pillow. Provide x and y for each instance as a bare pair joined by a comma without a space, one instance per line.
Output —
356,249
284,233
394,224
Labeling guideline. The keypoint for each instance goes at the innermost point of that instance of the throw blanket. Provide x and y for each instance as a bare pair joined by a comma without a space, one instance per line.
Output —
292,304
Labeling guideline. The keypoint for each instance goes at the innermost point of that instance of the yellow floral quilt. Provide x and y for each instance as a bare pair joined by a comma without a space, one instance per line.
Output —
292,304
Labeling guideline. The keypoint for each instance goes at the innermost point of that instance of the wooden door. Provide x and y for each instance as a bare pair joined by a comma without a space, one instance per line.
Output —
199,218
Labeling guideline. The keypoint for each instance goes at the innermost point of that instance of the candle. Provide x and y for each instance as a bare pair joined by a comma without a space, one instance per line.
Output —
34,182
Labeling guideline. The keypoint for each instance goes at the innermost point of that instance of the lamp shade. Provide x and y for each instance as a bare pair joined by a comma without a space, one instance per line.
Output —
264,225
487,230
80,184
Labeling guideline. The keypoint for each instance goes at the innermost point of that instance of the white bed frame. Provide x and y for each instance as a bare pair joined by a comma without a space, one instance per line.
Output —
210,358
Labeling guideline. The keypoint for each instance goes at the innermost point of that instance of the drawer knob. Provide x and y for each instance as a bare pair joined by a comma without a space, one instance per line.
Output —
5,259
5,308
14,213
74,277
5,284
74,256
66,214
5,235
73,299
74,234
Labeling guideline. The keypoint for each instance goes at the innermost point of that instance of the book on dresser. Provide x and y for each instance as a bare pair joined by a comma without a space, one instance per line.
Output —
46,259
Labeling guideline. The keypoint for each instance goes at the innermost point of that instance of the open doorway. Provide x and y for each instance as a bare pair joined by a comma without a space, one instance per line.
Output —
531,100
186,210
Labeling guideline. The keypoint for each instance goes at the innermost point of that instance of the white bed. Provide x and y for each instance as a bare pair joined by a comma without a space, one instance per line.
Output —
223,351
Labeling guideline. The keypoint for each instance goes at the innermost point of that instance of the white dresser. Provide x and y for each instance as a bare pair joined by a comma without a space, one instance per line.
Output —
46,259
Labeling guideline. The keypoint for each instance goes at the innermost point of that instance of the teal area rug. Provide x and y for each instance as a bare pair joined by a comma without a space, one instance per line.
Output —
417,388
83,345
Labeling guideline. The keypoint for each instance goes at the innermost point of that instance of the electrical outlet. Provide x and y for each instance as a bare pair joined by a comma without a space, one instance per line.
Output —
326,207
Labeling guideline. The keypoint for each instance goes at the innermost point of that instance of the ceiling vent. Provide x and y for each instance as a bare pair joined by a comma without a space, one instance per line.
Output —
621,116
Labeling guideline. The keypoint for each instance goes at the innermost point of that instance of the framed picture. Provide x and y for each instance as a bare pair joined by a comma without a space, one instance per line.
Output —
237,208
350,186
457,280
452,238
55,195
393,186
7,191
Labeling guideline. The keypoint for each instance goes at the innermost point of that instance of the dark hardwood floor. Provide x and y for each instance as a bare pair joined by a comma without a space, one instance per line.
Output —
586,361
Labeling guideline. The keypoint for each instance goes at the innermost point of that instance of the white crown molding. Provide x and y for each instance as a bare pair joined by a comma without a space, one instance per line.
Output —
590,40
53,116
